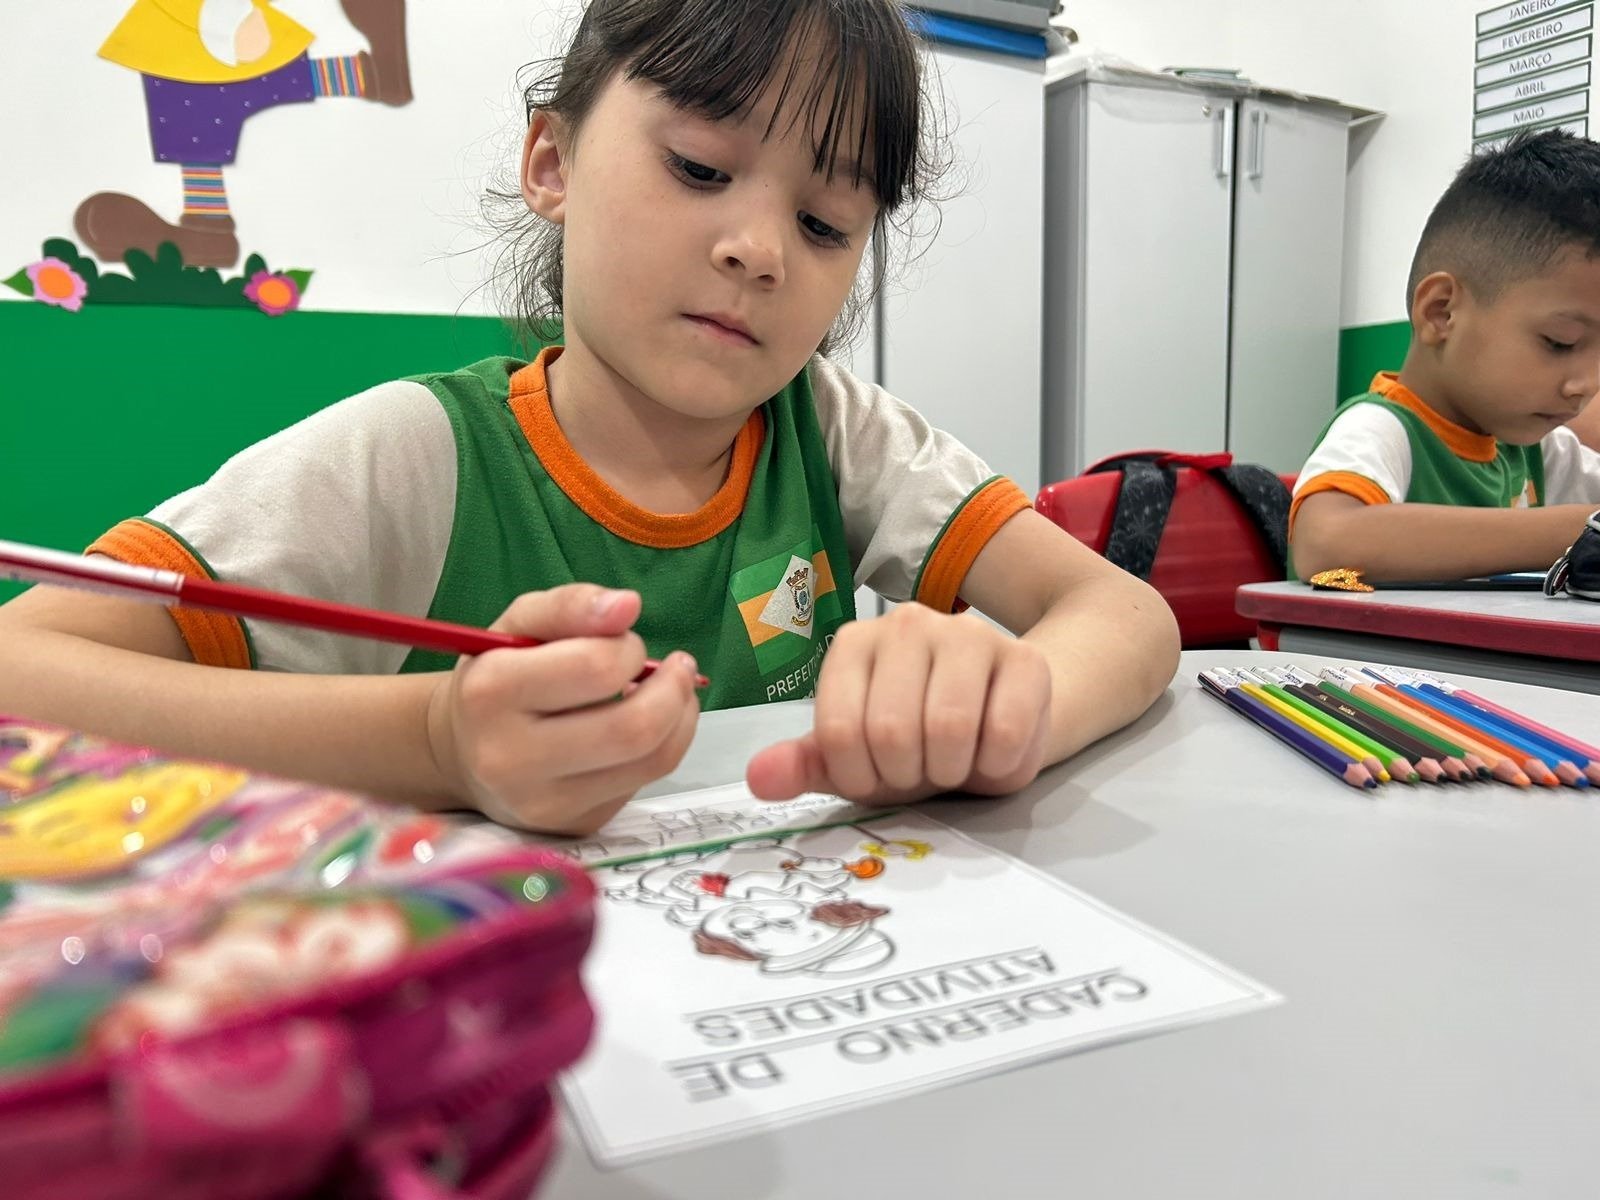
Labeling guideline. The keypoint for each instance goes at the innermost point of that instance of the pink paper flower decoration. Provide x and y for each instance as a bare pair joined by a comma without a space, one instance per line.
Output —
273,294
56,283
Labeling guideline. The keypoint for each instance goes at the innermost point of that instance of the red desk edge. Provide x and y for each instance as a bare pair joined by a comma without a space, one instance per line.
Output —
1480,631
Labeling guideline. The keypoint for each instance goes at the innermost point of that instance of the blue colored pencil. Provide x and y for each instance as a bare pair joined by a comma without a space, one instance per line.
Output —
1318,751
1520,726
1553,757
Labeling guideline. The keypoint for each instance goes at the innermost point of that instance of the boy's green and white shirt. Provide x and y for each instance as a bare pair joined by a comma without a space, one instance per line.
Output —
1388,447
450,494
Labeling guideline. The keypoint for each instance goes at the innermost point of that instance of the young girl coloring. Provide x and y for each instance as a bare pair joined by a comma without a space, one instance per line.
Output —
684,476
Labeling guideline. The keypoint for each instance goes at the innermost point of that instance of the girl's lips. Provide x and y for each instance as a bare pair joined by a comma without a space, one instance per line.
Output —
724,328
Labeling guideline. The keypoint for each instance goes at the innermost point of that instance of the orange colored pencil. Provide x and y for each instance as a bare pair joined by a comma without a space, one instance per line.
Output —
1478,755
1535,770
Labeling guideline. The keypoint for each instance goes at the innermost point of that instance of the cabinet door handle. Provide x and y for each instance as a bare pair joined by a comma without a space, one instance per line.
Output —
1258,144
1222,149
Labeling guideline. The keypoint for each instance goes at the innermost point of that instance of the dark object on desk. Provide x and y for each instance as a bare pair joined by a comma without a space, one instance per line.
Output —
1511,581
1577,572
1349,579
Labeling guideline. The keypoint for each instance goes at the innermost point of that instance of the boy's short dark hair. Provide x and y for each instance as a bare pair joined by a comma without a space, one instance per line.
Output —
1510,210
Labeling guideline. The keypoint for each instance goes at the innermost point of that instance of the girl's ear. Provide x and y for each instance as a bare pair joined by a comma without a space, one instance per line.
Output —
544,167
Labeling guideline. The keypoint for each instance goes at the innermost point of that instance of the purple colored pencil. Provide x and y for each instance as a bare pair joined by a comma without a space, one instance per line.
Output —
1335,762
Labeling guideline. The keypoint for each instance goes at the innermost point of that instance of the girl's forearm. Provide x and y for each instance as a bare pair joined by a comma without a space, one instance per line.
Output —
1113,648
364,732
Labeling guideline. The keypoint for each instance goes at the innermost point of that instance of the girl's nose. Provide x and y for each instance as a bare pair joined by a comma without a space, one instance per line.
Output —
755,249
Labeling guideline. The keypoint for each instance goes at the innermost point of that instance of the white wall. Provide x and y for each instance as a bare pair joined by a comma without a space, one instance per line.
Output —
1412,59
379,201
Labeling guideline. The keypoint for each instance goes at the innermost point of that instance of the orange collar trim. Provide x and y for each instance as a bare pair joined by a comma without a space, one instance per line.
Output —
530,404
1463,443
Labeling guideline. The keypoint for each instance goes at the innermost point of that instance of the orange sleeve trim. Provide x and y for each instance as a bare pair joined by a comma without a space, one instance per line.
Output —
968,532
530,405
215,640
1348,482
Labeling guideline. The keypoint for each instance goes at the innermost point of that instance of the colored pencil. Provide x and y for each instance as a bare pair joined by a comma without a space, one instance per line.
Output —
1553,759
1318,729
1473,753
1395,767
1422,765
1446,754
1318,751
1533,767
1428,762
1501,765
1561,759
1577,748
94,573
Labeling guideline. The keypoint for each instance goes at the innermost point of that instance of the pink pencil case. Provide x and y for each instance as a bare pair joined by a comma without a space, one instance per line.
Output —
217,983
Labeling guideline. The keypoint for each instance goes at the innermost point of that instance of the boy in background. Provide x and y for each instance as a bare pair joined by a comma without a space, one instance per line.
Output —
1462,463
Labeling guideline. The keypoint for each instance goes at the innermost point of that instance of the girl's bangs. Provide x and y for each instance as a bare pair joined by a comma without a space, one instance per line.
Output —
848,74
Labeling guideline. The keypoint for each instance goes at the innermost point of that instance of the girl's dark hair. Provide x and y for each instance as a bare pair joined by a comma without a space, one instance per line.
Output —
715,57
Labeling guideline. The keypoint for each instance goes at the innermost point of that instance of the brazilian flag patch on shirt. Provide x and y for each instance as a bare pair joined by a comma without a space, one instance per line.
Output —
784,600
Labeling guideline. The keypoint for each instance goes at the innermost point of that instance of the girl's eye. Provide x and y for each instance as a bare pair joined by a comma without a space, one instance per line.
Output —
822,231
696,174
1558,347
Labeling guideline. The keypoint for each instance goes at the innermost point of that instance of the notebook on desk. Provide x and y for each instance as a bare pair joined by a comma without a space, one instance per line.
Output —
1510,581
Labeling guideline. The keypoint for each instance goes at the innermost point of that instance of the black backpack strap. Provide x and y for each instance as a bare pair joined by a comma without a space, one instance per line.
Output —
1266,499
1143,503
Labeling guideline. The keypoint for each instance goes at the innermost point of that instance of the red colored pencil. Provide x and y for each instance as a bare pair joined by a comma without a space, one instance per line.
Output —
95,573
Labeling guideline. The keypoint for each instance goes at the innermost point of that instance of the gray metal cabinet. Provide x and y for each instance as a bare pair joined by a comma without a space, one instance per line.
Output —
1131,260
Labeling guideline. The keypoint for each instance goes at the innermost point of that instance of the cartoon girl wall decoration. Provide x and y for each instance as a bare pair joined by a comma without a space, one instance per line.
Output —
207,67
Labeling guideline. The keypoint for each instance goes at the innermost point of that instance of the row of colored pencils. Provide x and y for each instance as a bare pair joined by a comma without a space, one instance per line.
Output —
1375,725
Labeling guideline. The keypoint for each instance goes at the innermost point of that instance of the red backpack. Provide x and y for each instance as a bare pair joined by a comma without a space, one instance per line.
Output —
1195,526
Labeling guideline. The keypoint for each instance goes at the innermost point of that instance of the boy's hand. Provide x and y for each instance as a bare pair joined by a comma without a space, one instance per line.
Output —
537,738
913,703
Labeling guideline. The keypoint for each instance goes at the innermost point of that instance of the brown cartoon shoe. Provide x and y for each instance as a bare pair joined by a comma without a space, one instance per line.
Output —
111,224
387,67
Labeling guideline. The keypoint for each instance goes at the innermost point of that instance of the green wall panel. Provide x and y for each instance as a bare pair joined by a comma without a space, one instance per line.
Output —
111,409
1364,350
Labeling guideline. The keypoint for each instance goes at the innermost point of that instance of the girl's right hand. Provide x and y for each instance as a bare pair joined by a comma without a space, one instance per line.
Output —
539,738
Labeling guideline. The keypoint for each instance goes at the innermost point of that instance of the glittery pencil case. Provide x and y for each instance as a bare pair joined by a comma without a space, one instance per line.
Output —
217,983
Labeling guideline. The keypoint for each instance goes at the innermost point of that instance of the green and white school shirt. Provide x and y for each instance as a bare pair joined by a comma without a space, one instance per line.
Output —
1388,447
448,495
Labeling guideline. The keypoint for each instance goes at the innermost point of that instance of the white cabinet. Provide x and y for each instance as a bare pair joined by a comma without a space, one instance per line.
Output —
1149,172
963,336
1130,261
1287,234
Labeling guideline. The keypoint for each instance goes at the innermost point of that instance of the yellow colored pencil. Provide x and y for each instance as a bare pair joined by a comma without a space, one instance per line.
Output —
1317,729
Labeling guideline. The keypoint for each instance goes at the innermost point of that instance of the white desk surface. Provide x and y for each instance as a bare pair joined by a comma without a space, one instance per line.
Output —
1436,945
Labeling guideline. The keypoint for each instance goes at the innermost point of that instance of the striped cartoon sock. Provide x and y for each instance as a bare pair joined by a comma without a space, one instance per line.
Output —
203,193
338,76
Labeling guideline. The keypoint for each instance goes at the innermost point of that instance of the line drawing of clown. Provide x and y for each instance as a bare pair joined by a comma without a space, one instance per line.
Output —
764,902
207,67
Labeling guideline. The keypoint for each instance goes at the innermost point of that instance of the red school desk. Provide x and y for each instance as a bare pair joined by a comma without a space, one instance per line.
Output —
1526,637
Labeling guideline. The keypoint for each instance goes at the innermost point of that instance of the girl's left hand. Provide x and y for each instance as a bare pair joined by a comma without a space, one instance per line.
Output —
913,703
